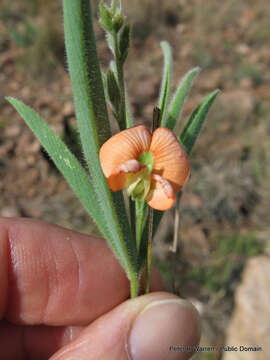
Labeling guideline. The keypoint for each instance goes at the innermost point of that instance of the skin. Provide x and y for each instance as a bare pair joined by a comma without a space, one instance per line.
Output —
63,295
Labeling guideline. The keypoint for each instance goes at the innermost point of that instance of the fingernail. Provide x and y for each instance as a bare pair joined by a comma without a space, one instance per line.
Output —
162,329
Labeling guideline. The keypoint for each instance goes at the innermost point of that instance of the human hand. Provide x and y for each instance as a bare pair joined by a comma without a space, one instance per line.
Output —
63,296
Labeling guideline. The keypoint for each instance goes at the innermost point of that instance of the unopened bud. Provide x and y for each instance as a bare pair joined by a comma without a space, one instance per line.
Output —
118,21
105,17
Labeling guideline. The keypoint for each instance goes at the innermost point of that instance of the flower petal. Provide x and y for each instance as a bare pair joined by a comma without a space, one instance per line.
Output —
124,146
124,175
161,197
170,159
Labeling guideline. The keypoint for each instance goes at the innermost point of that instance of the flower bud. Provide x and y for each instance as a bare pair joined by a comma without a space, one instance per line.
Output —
105,17
118,21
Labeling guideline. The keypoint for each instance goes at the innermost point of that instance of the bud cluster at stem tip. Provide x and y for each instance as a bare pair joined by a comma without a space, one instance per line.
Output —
113,22
111,18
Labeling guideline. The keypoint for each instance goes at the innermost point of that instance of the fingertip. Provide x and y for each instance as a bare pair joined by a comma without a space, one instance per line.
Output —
147,327
165,329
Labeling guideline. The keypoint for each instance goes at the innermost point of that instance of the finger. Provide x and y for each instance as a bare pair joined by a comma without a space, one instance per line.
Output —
53,276
156,280
33,342
56,276
40,342
143,328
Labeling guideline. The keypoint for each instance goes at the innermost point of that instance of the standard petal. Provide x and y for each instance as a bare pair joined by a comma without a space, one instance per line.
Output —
161,196
124,146
124,175
170,159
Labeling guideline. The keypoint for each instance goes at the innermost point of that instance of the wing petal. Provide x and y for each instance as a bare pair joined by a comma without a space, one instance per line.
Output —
170,159
124,146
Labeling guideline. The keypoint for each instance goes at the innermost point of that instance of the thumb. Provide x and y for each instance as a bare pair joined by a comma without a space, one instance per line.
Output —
154,326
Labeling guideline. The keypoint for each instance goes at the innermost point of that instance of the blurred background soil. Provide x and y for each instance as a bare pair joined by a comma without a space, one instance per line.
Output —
225,207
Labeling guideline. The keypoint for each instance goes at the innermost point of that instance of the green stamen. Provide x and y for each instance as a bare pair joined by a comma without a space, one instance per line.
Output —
139,184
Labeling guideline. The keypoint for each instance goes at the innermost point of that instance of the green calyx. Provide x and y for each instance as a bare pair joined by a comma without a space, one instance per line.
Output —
147,158
139,184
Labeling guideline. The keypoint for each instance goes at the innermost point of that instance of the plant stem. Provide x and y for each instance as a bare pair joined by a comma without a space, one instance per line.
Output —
132,215
149,250
155,125
174,247
134,285
140,214
122,121
176,223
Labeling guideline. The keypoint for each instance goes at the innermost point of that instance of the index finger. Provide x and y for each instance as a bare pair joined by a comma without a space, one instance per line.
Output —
54,276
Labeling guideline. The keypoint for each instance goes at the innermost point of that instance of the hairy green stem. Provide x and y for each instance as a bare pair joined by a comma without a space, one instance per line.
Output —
132,215
140,214
157,115
149,250
122,120
134,286
175,244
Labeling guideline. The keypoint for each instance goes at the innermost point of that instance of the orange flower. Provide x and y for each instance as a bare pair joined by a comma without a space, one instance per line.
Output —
153,167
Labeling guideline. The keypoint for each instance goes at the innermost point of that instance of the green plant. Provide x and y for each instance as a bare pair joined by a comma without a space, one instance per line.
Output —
227,264
244,245
92,90
23,38
252,72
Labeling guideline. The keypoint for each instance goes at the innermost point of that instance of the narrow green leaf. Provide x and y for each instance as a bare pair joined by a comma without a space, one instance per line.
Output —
84,67
92,117
178,100
113,90
104,82
166,80
143,244
129,120
124,42
64,160
193,126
